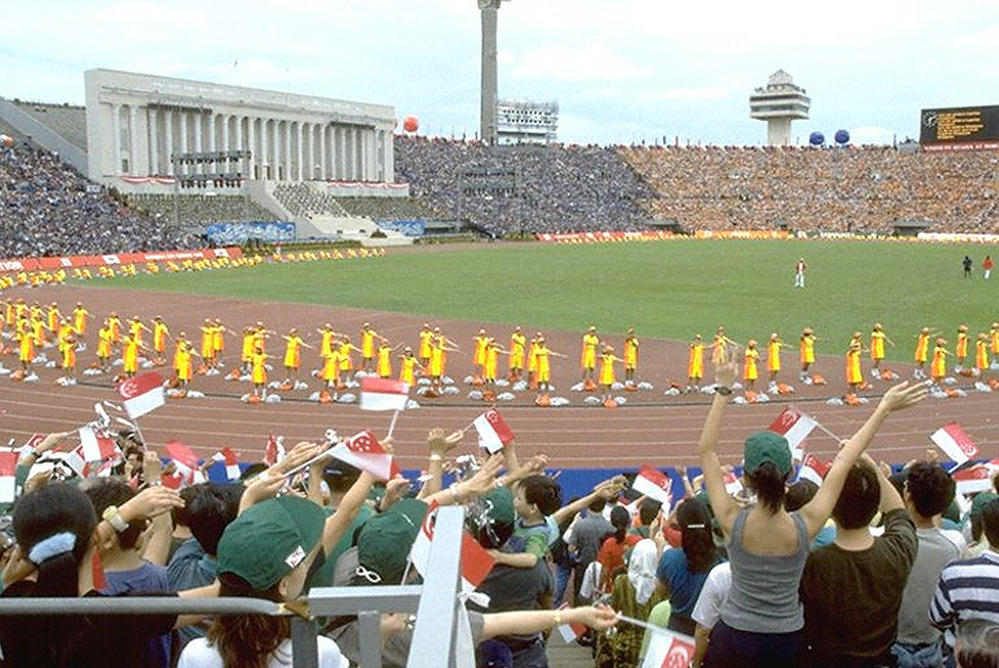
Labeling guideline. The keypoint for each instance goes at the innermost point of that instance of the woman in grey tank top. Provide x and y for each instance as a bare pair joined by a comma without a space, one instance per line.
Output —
762,620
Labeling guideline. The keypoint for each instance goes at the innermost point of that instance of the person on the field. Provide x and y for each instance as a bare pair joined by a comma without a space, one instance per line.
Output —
807,354
607,360
67,346
799,273
938,367
878,339
130,350
922,353
967,266
987,267
258,374
136,327
218,343
346,361
695,365
54,319
750,367
588,357
438,360
631,344
26,346
208,344
426,341
183,360
246,351
409,366
479,343
80,315
854,374
490,369
532,361
518,350
384,365
114,322
543,353
160,334
773,358
368,336
961,347
719,344
982,363
293,357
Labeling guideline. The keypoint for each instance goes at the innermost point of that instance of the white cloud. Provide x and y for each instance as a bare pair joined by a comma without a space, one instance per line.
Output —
702,93
570,64
866,134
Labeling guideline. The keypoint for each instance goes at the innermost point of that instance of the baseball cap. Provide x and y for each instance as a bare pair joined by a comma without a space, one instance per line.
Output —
385,540
269,539
978,503
766,446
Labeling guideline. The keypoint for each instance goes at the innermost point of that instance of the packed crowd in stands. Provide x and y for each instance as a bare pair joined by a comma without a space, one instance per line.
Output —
196,210
869,568
46,209
528,189
388,208
301,199
865,189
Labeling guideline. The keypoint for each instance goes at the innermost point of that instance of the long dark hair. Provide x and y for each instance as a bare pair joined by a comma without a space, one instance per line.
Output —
769,485
620,518
54,509
247,641
697,538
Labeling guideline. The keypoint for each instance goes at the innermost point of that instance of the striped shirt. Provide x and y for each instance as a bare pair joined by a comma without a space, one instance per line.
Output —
967,589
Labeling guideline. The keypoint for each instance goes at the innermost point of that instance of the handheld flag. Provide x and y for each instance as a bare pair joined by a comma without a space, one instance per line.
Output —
654,484
226,455
186,462
976,478
570,632
142,394
795,426
274,451
383,394
814,469
475,561
96,445
494,434
955,443
8,468
669,650
365,452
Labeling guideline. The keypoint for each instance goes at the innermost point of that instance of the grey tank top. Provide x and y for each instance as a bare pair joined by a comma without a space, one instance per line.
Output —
764,593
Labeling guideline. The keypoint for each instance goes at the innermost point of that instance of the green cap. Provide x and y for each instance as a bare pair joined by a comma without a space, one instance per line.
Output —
978,503
269,539
385,540
499,503
766,446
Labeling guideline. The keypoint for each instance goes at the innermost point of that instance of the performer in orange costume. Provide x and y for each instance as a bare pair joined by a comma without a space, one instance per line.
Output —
773,358
750,370
938,367
922,352
878,339
807,354
292,357
607,379
854,374
518,350
695,364
588,357
631,345
961,347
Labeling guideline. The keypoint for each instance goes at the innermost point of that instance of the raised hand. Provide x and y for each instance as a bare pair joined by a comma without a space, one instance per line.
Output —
150,502
903,395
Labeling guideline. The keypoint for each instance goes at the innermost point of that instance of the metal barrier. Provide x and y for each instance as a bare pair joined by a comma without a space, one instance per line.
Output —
435,604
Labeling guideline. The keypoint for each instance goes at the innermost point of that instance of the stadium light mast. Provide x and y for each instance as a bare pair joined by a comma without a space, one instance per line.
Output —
779,103
489,10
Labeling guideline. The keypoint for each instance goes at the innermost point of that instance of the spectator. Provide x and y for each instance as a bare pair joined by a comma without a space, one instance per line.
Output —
587,538
800,493
634,594
707,612
762,620
852,589
682,571
969,589
611,554
977,644
928,492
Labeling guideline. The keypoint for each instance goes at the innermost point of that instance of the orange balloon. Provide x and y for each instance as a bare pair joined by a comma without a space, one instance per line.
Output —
411,124
6,140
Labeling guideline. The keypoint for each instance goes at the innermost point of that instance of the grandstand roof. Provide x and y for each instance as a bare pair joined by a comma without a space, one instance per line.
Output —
68,121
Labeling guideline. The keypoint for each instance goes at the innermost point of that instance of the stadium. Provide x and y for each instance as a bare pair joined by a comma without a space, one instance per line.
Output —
266,255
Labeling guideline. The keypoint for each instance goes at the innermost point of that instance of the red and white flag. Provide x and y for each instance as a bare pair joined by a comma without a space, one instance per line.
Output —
186,462
955,443
475,561
33,442
733,484
142,394
654,484
977,478
494,434
669,650
383,394
365,452
8,469
231,460
96,446
814,469
274,451
570,632
795,426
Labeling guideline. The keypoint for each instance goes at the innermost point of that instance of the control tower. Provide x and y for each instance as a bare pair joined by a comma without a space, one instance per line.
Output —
778,104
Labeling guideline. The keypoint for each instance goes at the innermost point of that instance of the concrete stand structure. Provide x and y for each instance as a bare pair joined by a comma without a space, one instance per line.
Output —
778,104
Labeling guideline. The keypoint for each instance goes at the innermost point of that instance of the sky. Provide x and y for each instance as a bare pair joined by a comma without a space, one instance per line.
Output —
622,71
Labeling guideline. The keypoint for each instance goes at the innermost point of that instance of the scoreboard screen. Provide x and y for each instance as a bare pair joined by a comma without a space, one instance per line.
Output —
959,128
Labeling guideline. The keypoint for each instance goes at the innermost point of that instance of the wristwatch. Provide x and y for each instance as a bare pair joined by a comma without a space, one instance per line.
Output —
724,391
112,517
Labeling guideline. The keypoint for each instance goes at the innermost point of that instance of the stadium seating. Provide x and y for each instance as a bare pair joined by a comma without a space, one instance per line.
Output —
200,209
387,208
302,200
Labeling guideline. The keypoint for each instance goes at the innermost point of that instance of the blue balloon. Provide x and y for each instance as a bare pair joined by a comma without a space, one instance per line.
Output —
816,138
842,137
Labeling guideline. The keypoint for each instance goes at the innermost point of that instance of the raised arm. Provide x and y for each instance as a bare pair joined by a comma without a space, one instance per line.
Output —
901,396
725,508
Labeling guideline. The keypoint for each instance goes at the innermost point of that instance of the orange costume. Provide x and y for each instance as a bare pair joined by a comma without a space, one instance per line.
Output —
961,346
922,347
607,368
877,345
807,347
994,338
409,365
384,367
518,343
695,363
631,352
750,371
853,372
982,353
292,351
938,368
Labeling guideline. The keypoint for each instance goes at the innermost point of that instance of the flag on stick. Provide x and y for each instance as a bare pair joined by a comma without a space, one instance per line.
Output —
96,446
669,650
795,426
226,455
955,443
976,478
654,484
494,434
814,469
383,394
274,451
475,561
8,469
142,394
365,452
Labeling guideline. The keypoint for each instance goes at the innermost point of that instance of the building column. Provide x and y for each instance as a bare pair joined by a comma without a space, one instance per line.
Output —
247,144
274,152
225,133
388,158
323,154
154,140
199,131
116,138
287,150
184,168
168,142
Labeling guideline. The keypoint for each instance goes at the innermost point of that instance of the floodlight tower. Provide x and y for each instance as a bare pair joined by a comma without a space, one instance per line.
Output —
487,99
778,104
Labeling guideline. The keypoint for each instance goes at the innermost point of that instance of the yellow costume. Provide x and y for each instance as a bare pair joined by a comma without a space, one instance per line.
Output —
292,351
853,372
130,355
695,362
544,371
938,368
426,338
750,371
259,373
607,368
631,353
588,358
877,345
807,349
384,366
773,355
408,372
160,333
518,343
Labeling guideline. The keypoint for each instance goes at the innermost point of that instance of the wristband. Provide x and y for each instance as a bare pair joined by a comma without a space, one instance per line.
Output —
558,618
114,518
434,457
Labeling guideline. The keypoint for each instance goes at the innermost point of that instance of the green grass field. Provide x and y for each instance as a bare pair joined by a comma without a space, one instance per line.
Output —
664,289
